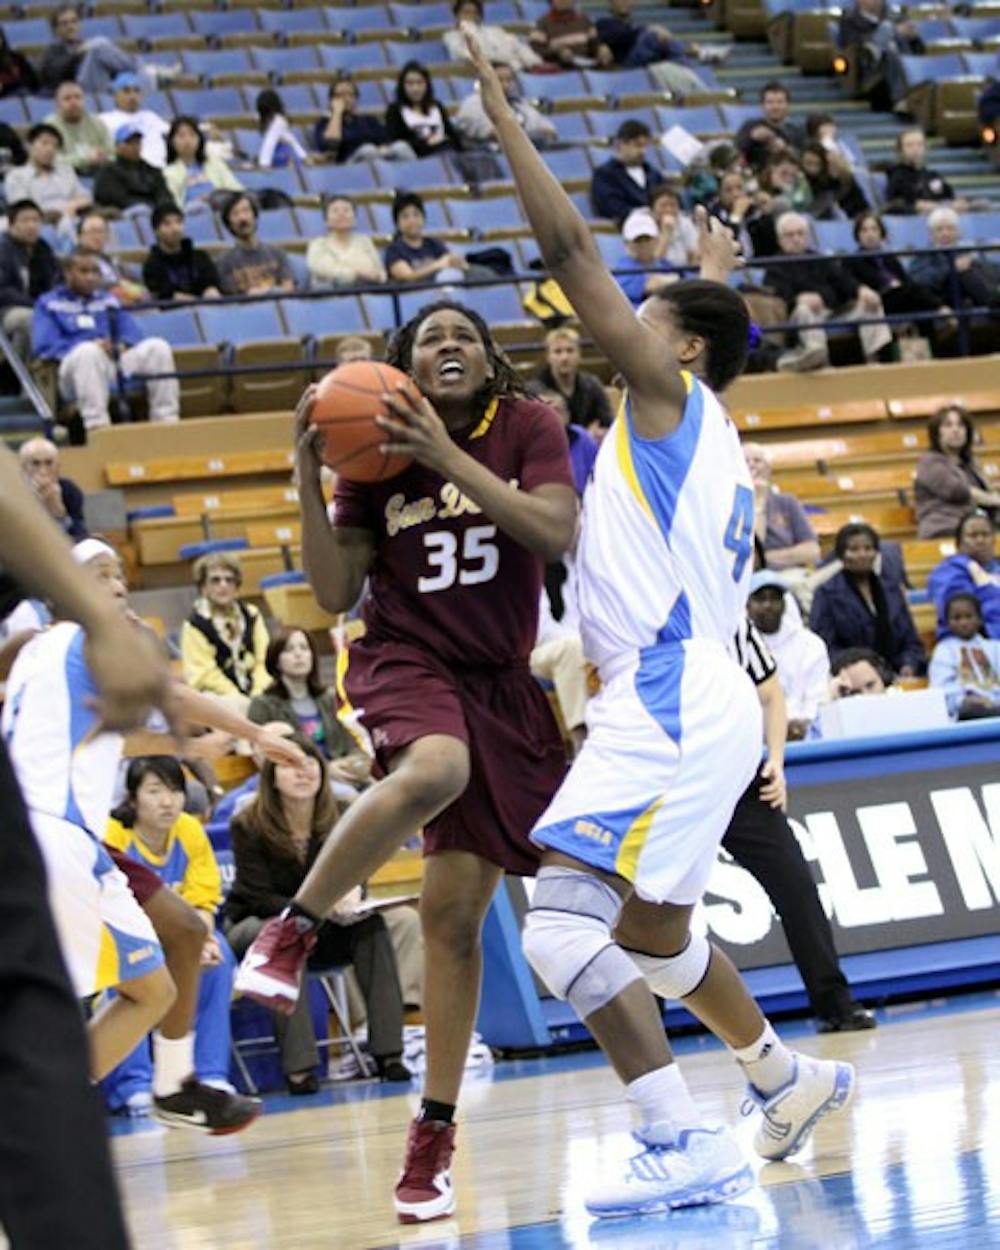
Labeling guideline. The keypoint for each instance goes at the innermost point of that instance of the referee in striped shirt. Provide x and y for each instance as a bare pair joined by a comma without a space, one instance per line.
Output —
760,839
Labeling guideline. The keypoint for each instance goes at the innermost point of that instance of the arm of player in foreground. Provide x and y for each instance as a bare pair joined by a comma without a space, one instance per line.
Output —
128,668
187,705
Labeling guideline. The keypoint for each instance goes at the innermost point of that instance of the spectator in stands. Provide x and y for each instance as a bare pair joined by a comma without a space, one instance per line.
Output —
567,38
28,268
416,118
224,640
899,292
701,180
910,186
61,498
93,63
12,151
584,394
352,348
879,36
738,205
781,526
948,480
759,137
128,111
822,128
634,46
835,190
966,663
276,839
816,290
642,271
51,183
86,141
297,697
955,279
678,233
350,136
858,608
94,340
974,569
474,126
121,278
151,826
801,657
343,256
859,670
193,176
129,181
783,188
175,269
17,74
279,144
250,267
625,181
498,44
411,256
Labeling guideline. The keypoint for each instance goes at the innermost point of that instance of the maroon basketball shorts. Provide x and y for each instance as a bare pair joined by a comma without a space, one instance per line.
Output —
517,758
142,881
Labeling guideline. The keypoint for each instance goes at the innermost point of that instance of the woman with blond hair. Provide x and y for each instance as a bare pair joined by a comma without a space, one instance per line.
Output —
224,640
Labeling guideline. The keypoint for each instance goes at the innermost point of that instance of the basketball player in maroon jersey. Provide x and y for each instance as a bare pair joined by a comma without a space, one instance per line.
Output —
455,549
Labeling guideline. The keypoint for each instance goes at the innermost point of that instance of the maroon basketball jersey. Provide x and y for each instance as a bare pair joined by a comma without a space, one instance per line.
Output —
444,576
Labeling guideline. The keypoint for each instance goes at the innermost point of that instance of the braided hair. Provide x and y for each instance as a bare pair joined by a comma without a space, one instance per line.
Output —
505,383
720,316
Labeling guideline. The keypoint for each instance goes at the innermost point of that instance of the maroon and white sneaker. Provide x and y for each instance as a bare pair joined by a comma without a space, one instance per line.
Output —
271,971
424,1191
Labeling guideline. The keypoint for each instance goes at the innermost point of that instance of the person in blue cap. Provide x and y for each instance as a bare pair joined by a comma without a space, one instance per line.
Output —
128,110
129,180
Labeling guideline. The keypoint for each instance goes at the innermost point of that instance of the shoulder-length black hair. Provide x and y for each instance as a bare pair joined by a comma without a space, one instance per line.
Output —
165,767
274,650
853,530
934,430
869,215
269,105
415,67
185,120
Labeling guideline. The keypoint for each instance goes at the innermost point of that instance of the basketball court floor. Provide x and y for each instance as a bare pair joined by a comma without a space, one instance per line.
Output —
913,1163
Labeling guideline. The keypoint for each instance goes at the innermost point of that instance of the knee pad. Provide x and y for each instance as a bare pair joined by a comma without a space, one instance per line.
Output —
567,939
676,976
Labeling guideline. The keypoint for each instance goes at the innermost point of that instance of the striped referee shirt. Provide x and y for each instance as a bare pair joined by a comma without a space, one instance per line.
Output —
753,654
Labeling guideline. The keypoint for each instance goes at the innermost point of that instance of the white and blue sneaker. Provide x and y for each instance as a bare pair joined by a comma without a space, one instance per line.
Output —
704,1165
789,1115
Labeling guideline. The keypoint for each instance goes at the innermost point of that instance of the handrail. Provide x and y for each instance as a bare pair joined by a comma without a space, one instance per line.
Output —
27,383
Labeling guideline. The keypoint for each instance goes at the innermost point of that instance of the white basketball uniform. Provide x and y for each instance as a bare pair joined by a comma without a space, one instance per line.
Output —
662,571
67,774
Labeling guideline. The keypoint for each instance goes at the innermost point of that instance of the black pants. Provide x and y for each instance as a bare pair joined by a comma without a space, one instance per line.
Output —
761,840
57,1190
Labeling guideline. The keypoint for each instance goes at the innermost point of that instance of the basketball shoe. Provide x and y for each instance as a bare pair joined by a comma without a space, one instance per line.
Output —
817,1087
703,1166
206,1109
271,971
424,1190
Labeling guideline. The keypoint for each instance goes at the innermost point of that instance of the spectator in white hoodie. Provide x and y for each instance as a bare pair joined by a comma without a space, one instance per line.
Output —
801,655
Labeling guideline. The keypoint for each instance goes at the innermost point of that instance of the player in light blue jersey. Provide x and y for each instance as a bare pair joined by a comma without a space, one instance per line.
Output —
662,572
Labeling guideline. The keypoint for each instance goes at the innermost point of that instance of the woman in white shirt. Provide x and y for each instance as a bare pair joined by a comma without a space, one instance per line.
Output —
344,256
192,175
417,118
499,45
279,145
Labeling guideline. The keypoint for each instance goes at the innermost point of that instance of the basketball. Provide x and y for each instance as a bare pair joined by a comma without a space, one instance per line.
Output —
348,399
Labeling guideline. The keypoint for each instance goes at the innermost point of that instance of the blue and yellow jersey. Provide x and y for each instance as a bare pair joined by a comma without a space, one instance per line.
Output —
187,865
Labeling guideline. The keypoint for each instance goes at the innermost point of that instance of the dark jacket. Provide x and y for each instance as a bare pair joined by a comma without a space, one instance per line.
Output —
73,522
11,140
356,129
265,881
857,27
337,743
17,74
829,279
842,619
879,272
41,269
905,185
790,134
613,193
978,284
120,184
396,128
589,401
59,64
831,194
187,272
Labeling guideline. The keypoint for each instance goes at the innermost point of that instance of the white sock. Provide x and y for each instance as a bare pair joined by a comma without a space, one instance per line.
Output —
664,1104
173,1063
768,1063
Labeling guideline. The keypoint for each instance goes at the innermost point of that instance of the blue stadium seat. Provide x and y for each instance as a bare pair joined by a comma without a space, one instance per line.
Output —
491,214
984,64
604,123
981,228
411,302
735,115
380,310
209,101
219,61
573,127
568,162
246,141
834,236
427,52
129,233
279,21
360,20
32,32
921,69
610,246
423,16
977,29
337,314
178,326
618,82
570,85
218,22
934,29
312,224
432,171
352,56
12,109
201,228
277,225
299,97
106,27
497,305
381,214
703,119
280,61
155,25
907,232
532,10
191,551
241,323
330,179
504,12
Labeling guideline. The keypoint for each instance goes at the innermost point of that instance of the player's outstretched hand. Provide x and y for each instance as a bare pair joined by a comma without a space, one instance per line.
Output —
277,748
717,246
490,90
773,790
415,429
129,670
308,439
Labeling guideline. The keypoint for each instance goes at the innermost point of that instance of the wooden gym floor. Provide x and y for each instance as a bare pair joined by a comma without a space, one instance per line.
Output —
914,1162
